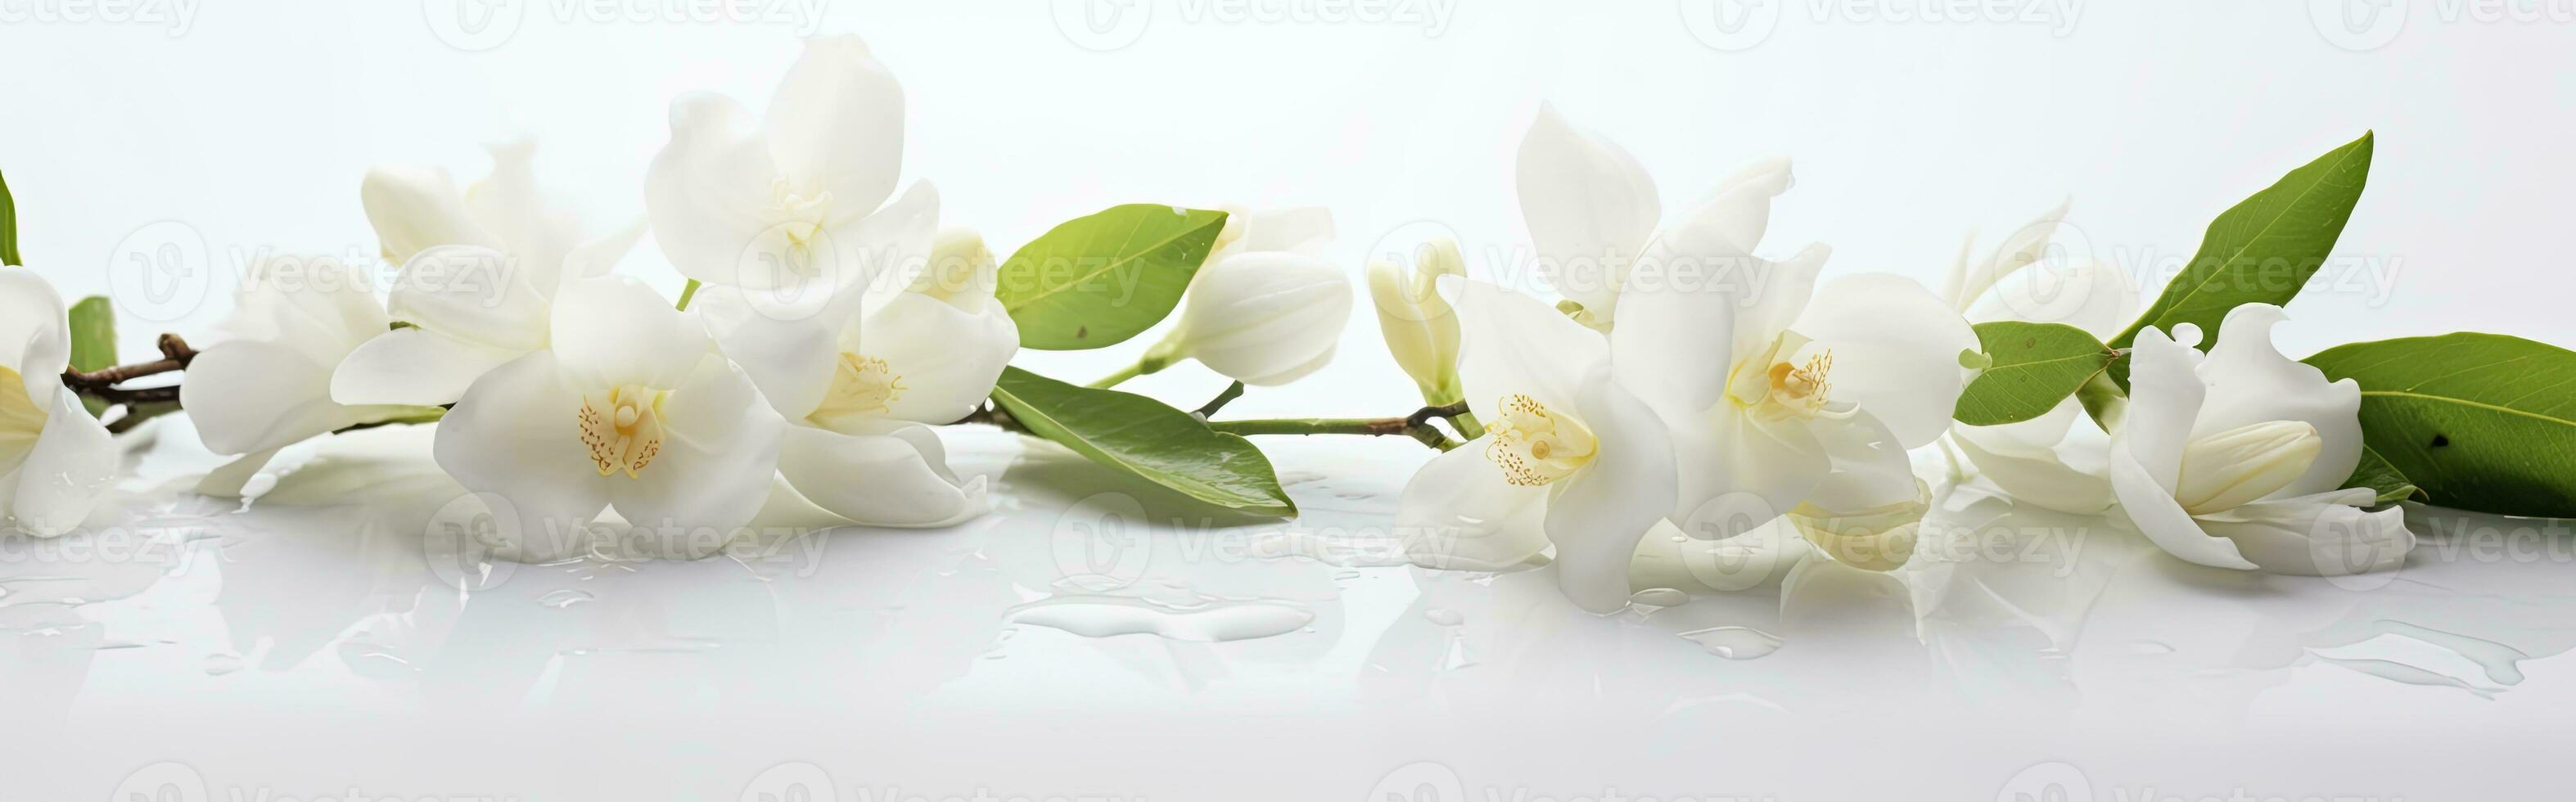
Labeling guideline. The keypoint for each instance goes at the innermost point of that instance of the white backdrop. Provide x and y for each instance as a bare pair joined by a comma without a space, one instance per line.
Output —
1912,123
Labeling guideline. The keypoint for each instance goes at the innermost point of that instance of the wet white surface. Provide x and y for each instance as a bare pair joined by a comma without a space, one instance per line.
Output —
325,640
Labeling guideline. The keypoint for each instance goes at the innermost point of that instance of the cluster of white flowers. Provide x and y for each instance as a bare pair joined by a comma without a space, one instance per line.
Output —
1692,386
1685,384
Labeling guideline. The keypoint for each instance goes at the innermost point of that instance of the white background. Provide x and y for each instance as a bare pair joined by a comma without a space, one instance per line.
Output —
251,124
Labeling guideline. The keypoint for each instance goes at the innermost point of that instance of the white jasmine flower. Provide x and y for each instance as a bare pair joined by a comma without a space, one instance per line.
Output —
54,457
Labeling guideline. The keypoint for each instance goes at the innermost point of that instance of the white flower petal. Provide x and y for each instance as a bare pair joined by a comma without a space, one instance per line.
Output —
2096,297
511,206
2049,478
879,479
2023,248
2322,534
319,306
250,396
615,331
2152,508
35,337
1677,315
475,294
709,191
1589,206
415,208
1301,230
1596,518
1870,469
948,359
1895,351
516,434
1737,473
58,484
1740,208
1459,513
2250,382
1778,293
2165,396
720,452
1512,344
836,125
789,356
413,366
1258,316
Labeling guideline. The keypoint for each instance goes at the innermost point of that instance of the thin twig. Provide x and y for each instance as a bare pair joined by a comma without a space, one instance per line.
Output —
175,356
1232,392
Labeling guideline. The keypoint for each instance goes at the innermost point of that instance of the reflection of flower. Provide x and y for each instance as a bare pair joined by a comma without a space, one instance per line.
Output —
265,383
479,270
628,407
2238,459
1569,457
2057,460
793,203
861,372
1265,310
54,457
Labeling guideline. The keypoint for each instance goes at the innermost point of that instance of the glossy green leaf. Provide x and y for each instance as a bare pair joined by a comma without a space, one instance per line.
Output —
1146,439
2480,422
2261,250
93,325
2376,473
8,226
2031,368
1099,280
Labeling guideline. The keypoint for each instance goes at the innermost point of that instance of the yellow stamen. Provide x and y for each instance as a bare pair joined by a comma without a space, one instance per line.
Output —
1534,446
21,421
862,387
623,431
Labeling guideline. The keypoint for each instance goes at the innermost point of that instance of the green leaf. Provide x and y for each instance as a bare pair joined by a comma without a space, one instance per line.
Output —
1144,438
2033,366
1098,280
93,324
8,226
2480,422
2261,250
2376,473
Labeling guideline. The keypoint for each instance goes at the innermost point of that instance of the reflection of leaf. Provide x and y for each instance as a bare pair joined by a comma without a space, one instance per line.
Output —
2480,422
1096,281
93,324
1144,438
2031,368
2261,250
2375,473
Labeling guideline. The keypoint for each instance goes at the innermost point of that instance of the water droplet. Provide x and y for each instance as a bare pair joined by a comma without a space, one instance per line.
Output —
221,663
1734,643
1660,597
1105,616
2148,647
1446,618
565,598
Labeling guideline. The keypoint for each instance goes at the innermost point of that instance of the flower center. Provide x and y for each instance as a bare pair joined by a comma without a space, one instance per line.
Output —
21,421
862,387
801,219
623,430
1782,389
2230,469
1535,446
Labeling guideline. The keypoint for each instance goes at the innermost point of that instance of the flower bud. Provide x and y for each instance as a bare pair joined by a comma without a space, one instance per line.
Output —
962,271
1263,318
1419,327
2230,469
